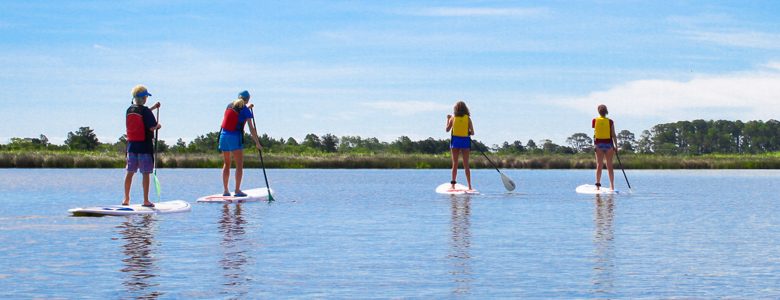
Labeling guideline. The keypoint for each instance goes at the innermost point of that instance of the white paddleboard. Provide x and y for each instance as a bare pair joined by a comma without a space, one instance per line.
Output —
166,207
258,194
591,189
446,188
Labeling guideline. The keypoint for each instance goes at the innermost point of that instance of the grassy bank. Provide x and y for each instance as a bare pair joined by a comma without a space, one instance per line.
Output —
62,159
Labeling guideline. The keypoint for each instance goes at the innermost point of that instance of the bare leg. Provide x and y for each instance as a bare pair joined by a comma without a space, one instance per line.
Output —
128,183
599,165
239,156
455,152
610,170
466,165
146,188
225,171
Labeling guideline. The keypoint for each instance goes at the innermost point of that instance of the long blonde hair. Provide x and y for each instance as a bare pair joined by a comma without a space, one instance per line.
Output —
461,109
238,104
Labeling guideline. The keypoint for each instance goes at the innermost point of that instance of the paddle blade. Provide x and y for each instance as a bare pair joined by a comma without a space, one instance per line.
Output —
157,186
508,183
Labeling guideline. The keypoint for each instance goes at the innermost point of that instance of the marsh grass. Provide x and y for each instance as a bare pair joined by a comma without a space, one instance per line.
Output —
62,159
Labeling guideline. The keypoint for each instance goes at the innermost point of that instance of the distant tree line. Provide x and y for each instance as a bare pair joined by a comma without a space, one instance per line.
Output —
684,137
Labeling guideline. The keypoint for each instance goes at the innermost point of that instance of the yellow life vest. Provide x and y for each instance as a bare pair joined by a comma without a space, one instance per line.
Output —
602,130
460,126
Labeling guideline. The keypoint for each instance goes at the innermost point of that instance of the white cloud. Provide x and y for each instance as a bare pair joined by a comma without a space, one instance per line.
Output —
407,108
746,96
746,39
100,47
479,12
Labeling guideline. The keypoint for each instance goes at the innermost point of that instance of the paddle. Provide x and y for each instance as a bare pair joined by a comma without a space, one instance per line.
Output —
262,164
508,183
624,171
154,162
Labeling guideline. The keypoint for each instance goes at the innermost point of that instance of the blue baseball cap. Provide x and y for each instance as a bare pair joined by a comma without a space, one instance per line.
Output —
140,91
143,93
242,95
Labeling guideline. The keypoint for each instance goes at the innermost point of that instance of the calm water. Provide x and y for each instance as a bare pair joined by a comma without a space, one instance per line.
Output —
386,234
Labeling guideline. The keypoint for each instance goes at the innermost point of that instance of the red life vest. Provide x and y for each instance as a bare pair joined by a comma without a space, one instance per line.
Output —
134,122
230,119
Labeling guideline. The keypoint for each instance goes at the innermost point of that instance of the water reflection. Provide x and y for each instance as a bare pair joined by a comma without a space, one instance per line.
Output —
460,244
234,247
139,264
603,235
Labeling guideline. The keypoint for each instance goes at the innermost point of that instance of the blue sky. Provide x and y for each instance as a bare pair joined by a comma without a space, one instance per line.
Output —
527,70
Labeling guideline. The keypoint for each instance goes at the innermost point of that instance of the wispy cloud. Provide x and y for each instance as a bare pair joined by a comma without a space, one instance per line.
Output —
478,12
745,39
746,95
407,108
100,47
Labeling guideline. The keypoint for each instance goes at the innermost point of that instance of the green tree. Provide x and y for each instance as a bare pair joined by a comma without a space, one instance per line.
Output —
205,143
626,141
580,142
82,139
531,145
179,147
312,141
403,144
330,143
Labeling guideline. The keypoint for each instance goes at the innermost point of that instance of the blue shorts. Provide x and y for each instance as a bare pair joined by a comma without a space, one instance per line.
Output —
230,142
143,161
604,146
460,142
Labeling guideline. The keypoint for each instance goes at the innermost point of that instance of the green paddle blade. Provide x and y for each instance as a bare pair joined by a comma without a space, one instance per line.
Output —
157,186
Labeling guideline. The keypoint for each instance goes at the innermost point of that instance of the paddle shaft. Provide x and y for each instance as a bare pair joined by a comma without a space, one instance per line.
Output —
621,168
491,162
262,163
154,162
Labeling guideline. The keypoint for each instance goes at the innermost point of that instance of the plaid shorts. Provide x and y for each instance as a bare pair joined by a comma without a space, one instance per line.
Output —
143,161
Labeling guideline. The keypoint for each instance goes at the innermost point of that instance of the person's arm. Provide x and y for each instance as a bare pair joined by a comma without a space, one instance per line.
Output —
150,122
253,132
471,127
252,129
449,123
614,136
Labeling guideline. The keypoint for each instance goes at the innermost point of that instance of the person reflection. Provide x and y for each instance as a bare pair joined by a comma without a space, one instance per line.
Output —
460,243
603,236
234,248
139,264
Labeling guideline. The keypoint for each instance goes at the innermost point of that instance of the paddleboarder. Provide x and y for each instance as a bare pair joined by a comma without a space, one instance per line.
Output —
141,125
231,139
459,123
605,145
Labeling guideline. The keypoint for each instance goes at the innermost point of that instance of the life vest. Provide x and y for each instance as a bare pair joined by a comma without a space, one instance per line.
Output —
602,130
460,126
134,121
230,119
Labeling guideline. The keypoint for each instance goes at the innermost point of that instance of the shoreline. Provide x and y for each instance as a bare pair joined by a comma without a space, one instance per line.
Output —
388,161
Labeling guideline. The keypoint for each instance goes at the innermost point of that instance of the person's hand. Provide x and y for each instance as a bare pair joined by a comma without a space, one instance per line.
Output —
250,105
156,106
449,116
158,126
259,147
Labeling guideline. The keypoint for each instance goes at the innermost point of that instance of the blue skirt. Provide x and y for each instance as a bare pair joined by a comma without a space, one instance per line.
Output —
230,142
460,142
